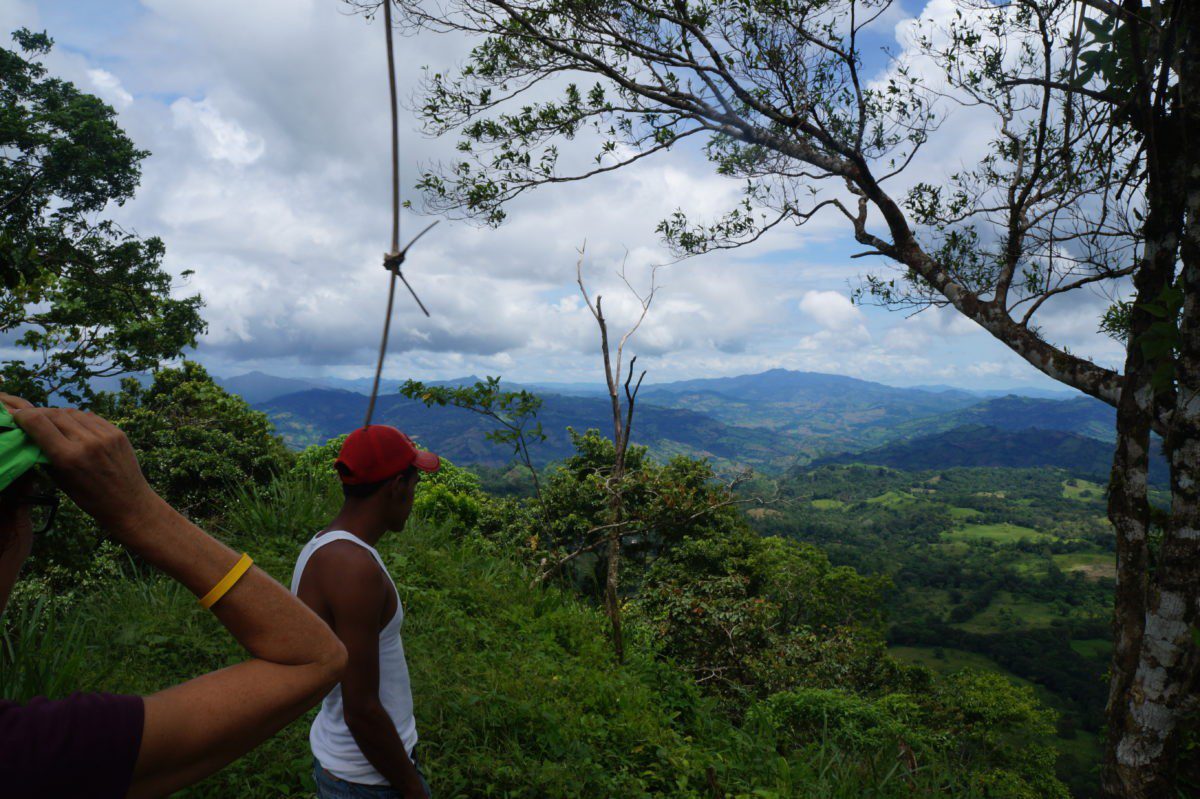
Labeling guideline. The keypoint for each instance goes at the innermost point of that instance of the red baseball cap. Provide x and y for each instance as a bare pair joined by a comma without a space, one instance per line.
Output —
373,454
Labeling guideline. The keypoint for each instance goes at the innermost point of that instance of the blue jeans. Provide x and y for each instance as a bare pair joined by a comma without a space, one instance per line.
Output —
331,787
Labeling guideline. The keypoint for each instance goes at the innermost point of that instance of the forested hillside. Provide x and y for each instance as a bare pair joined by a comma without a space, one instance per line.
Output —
1002,569
782,584
753,666
980,445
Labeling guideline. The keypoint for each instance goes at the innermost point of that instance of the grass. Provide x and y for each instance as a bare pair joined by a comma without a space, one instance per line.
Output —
962,514
1083,490
953,660
1093,565
40,652
1003,533
1092,647
828,504
891,499
1028,564
1008,612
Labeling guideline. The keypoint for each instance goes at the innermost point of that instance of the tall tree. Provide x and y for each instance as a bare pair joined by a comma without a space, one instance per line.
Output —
622,419
83,297
1086,184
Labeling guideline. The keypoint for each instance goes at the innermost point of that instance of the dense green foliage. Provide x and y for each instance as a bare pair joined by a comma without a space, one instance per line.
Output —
980,445
81,297
515,684
194,439
1012,567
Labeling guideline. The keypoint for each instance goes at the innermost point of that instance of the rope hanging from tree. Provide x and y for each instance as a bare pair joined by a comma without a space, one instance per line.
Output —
394,258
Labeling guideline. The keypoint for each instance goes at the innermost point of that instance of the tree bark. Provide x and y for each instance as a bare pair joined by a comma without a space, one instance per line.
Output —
612,598
1155,659
1129,512
1143,692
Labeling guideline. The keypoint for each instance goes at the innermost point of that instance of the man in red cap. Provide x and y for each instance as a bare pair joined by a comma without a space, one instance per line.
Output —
364,738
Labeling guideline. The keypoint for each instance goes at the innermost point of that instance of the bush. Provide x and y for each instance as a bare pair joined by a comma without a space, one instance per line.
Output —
291,508
41,652
194,439
810,715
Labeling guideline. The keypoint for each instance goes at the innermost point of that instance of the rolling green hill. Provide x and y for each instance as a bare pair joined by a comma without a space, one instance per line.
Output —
828,411
985,446
314,416
1083,416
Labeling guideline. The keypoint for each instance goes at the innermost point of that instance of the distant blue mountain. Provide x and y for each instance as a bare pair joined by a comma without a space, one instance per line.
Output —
982,445
316,415
770,420
259,387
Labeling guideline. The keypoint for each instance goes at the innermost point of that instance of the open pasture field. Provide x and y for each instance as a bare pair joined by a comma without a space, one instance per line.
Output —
1011,612
1082,490
1093,565
1002,533
951,660
1092,647
892,499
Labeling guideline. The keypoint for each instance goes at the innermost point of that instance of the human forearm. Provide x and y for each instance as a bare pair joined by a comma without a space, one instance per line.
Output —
376,736
257,611
94,463
194,728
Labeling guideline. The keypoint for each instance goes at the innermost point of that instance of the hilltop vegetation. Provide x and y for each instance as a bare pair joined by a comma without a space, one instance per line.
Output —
979,445
755,666
1005,569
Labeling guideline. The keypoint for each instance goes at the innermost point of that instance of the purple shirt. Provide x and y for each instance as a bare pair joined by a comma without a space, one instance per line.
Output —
82,746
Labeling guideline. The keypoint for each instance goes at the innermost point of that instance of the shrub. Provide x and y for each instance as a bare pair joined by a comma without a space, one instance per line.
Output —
194,439
41,652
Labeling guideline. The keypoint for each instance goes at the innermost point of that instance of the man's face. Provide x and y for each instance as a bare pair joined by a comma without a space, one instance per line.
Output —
16,528
403,491
16,533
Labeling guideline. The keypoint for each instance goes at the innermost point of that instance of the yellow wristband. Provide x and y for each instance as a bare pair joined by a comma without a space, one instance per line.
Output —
227,582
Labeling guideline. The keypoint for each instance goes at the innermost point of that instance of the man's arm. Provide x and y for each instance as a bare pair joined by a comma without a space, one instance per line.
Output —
192,729
354,591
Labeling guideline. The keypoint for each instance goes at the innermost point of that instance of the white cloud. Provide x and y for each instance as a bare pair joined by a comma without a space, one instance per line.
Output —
268,126
831,310
109,87
219,137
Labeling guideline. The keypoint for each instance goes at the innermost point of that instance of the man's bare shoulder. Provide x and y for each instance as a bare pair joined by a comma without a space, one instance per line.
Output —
343,569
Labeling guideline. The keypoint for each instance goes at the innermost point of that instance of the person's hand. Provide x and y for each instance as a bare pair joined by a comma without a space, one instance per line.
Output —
91,460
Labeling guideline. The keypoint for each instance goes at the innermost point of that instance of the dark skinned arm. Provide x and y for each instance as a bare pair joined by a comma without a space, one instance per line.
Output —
192,729
354,592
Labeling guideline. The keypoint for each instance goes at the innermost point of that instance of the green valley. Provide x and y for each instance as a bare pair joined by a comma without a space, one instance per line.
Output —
1004,570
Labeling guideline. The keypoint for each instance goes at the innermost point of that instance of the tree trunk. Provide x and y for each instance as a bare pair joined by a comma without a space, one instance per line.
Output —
612,583
612,598
1131,767
1165,681
1155,658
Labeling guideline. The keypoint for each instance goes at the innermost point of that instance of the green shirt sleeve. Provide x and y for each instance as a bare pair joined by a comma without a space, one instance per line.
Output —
17,453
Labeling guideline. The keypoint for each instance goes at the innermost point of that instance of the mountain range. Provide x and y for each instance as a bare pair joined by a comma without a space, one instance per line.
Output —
981,445
770,421
315,415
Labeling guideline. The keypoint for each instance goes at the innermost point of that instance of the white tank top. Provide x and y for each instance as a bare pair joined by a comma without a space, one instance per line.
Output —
330,738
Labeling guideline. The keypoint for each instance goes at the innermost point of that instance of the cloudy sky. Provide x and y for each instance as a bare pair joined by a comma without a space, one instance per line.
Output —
268,178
